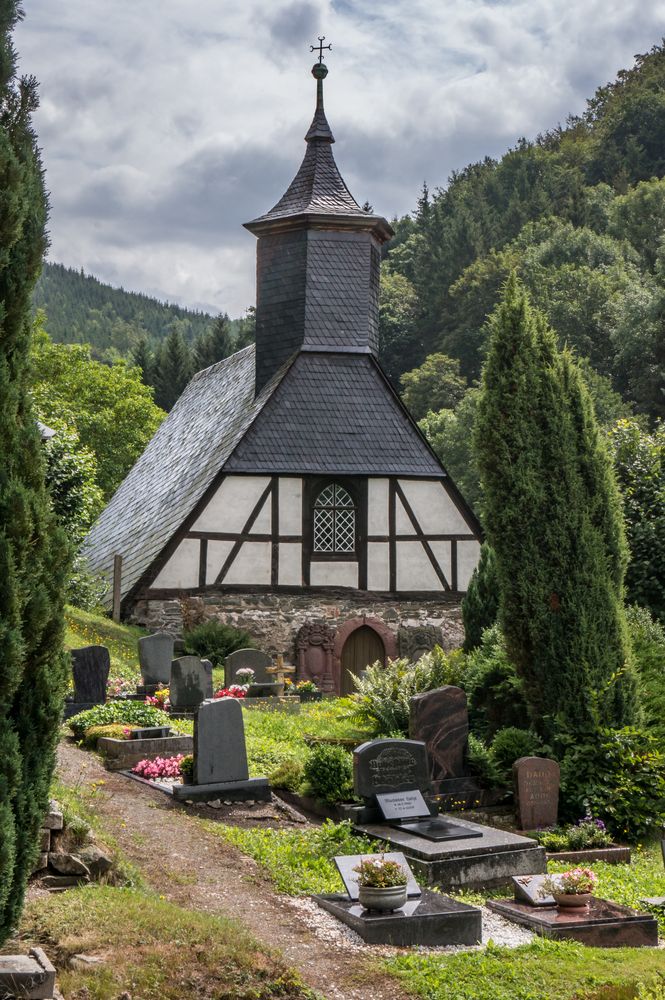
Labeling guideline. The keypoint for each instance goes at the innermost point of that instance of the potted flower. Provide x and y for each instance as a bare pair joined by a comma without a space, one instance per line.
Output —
187,769
381,884
289,687
308,691
571,888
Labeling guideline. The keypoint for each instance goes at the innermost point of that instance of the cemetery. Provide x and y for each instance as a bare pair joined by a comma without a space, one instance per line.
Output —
313,687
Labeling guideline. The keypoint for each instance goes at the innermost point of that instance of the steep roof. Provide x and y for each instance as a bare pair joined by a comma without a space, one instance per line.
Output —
334,414
177,467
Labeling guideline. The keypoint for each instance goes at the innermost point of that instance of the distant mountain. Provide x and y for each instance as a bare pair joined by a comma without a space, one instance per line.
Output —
81,309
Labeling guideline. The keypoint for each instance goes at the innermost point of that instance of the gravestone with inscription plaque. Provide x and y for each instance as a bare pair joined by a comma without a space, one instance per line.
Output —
536,788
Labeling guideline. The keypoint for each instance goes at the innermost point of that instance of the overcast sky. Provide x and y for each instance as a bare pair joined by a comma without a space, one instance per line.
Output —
166,124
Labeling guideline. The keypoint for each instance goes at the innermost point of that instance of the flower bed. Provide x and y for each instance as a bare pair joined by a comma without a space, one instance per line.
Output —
160,767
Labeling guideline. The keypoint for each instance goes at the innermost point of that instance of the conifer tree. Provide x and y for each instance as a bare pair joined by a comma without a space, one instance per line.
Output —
480,604
143,358
553,518
173,369
34,558
214,345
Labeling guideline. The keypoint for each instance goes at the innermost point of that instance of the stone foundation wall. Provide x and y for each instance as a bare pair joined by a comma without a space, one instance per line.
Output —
273,620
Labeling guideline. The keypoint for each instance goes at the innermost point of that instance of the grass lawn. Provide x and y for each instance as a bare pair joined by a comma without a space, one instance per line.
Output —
153,949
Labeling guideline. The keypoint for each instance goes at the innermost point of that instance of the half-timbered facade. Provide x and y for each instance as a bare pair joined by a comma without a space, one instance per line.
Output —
292,467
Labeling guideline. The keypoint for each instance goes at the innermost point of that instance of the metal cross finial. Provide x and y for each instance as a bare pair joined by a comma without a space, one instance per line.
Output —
320,47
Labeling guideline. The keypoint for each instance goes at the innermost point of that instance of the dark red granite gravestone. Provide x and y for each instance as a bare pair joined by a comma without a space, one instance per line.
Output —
440,719
536,787
601,923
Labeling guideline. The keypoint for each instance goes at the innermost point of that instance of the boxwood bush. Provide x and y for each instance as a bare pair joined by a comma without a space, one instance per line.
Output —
328,773
130,712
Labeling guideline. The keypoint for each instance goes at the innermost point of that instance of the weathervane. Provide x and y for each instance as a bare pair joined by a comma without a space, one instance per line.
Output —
320,47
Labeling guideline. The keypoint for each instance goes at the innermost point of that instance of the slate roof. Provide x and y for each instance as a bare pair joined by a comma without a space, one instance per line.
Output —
177,467
334,414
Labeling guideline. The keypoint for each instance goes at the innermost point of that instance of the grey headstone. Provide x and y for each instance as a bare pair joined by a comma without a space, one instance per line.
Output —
155,656
347,862
389,766
529,889
190,683
256,659
219,742
90,667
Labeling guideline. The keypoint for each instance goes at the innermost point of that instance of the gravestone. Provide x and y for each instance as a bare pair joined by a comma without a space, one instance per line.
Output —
256,659
155,656
600,924
190,683
220,757
90,669
426,918
530,889
440,719
536,789
389,766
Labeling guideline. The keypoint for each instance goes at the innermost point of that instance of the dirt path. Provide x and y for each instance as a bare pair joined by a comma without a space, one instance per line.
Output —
200,871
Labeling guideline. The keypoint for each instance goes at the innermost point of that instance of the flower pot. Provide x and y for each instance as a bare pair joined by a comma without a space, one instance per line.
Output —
383,899
311,695
572,899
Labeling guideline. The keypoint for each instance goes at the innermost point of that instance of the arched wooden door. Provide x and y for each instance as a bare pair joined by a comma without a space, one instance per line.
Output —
363,647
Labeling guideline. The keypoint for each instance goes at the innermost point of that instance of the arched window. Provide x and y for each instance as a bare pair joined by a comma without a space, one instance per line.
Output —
334,521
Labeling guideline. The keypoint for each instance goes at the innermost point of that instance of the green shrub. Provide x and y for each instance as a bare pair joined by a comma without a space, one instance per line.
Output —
575,837
113,730
647,638
619,777
214,641
289,774
510,744
382,696
187,768
129,712
328,773
495,692
482,764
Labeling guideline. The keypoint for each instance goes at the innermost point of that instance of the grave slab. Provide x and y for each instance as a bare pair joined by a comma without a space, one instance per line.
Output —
155,656
122,755
429,920
347,862
528,889
90,670
490,859
601,924
235,791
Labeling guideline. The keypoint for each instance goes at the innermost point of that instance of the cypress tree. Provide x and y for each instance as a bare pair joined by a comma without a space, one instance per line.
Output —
34,557
553,519
480,604
214,345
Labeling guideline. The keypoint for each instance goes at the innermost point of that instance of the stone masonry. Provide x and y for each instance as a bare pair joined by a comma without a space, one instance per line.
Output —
273,620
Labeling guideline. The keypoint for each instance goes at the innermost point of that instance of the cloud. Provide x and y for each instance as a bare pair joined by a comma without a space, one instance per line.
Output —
166,126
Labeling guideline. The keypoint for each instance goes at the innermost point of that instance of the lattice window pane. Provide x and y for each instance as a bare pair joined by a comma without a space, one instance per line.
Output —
324,530
334,520
345,530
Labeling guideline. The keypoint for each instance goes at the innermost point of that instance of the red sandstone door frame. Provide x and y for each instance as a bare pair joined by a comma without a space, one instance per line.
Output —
388,638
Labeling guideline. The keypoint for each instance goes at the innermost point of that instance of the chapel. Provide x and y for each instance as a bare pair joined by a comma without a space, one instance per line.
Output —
289,491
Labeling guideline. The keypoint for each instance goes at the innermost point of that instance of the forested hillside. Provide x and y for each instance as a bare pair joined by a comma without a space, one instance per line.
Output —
83,310
579,214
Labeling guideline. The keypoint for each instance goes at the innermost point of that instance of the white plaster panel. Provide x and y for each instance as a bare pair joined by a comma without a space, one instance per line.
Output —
333,574
441,551
468,554
377,506
290,564
403,524
435,511
414,570
232,504
252,564
182,569
217,553
290,506
378,566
